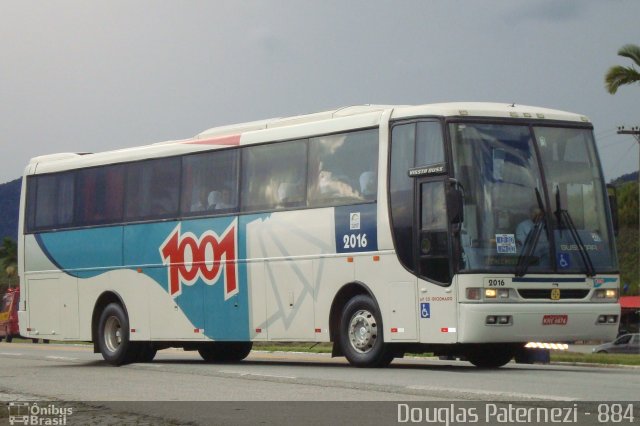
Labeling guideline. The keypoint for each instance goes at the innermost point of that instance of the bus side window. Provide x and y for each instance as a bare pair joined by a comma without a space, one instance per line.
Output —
429,146
401,191
210,183
151,189
273,176
342,168
51,201
100,195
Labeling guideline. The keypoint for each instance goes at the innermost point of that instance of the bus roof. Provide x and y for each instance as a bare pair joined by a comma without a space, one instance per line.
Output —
274,129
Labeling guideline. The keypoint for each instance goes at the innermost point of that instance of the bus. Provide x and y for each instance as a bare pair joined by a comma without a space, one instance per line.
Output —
462,229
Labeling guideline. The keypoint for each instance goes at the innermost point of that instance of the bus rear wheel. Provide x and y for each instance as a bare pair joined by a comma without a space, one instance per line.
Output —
225,351
361,337
490,355
113,336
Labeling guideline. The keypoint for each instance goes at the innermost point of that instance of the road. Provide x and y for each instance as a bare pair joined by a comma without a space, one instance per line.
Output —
74,373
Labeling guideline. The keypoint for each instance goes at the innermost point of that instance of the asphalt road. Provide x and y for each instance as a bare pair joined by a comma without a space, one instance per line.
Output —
74,373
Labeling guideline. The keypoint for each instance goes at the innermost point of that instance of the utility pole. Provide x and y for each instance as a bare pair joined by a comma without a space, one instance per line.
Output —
635,132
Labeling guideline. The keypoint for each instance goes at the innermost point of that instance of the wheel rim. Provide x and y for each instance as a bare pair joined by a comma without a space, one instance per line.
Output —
112,334
363,331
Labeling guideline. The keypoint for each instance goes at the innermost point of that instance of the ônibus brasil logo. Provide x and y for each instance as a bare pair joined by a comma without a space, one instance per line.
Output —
190,258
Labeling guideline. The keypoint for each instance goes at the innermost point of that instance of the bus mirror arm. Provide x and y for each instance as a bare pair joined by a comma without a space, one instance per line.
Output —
455,201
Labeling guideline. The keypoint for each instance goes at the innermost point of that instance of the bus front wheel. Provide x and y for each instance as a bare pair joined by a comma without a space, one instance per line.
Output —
361,337
113,336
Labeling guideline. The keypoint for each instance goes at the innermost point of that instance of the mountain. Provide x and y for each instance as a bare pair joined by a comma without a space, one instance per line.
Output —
9,206
629,177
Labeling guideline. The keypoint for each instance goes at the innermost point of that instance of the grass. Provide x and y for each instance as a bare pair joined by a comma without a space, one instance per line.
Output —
620,359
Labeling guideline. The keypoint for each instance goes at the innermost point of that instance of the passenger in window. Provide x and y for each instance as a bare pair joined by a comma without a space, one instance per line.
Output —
200,203
219,200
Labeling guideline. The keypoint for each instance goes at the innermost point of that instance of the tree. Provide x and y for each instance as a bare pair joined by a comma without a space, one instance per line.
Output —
9,255
619,75
627,241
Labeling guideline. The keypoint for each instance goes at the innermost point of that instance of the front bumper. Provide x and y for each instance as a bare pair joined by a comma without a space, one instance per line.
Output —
528,322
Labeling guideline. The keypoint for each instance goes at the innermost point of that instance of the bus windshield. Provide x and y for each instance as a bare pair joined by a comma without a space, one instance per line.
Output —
534,200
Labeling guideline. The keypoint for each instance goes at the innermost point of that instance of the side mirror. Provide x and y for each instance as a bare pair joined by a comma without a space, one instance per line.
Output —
455,201
613,205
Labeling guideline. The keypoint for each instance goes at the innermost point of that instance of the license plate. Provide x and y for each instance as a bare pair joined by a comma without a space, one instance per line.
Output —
555,319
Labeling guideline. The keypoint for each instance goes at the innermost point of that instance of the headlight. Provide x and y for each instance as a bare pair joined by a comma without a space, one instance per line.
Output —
492,293
606,293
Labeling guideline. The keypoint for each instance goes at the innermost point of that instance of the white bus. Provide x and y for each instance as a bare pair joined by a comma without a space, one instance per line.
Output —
463,229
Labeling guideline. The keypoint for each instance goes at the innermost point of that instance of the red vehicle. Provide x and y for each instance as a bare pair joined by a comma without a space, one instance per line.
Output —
9,314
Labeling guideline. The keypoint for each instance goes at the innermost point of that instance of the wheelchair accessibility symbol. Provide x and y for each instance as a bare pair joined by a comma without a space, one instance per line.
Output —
425,310
564,260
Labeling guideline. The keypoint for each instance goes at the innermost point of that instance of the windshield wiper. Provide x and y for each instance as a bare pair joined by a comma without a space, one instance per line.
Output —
564,217
531,241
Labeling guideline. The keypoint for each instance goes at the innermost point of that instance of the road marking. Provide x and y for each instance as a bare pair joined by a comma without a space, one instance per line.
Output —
499,395
10,354
62,358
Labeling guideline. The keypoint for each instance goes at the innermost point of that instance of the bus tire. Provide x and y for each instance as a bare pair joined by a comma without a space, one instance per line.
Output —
225,351
113,336
490,355
361,337
9,336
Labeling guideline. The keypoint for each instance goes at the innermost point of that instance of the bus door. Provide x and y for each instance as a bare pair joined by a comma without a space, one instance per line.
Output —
434,203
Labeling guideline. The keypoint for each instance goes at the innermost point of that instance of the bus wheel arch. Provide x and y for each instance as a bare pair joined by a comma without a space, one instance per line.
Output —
110,331
101,303
342,297
352,299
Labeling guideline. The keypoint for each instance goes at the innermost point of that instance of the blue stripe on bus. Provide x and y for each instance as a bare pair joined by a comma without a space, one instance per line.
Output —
87,253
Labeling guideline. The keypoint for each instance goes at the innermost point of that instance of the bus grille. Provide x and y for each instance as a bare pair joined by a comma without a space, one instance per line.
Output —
546,293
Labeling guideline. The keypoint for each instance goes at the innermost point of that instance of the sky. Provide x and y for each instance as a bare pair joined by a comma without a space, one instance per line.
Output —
90,76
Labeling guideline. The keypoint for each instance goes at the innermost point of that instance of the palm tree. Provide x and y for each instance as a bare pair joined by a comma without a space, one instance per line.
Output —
619,75
9,255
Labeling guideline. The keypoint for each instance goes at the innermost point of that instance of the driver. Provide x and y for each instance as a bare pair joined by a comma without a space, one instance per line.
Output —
526,226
